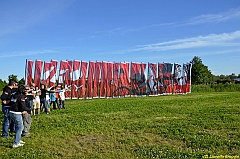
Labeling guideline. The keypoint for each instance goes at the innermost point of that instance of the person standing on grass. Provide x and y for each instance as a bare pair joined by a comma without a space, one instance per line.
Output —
6,106
57,95
36,100
44,98
52,96
27,119
62,98
18,108
31,95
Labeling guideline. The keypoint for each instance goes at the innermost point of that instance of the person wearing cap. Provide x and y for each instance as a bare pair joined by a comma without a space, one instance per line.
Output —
8,91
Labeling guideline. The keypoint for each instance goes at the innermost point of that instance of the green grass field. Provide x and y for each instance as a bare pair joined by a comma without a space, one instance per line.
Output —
195,125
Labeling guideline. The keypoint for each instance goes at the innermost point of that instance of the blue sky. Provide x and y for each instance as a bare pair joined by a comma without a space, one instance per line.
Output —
107,30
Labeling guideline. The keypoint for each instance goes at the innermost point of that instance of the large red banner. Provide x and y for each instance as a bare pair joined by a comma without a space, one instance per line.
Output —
177,79
135,79
96,80
75,79
62,72
28,72
116,72
82,81
103,85
53,70
151,80
37,72
46,73
186,81
91,70
167,75
142,85
160,85
124,84
68,80
106,79
109,79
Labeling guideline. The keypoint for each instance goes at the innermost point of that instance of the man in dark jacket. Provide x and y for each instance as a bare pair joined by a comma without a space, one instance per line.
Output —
8,91
18,108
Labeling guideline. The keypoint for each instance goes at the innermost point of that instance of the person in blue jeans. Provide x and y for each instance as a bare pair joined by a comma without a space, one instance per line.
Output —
18,109
6,105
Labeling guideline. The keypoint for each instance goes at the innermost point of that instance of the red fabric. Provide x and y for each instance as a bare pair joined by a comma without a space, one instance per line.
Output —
177,89
37,72
152,73
124,79
82,81
103,84
62,72
46,73
28,72
96,82
116,72
167,74
52,77
91,71
135,77
109,79
143,80
75,79
68,81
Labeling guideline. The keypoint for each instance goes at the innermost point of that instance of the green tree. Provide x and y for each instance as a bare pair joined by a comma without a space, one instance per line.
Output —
2,84
22,81
13,77
200,73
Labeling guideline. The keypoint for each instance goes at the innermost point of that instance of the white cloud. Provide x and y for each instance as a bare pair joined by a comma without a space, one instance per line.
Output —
216,18
219,40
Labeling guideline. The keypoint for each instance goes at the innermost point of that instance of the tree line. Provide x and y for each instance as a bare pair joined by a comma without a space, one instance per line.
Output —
200,74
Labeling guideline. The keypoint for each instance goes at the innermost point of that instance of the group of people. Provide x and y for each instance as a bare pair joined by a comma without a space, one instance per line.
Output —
19,103
42,99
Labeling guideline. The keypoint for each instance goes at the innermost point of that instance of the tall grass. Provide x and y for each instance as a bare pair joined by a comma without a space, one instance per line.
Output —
171,126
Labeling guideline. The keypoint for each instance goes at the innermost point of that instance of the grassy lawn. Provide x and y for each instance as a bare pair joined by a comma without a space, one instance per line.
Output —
171,126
